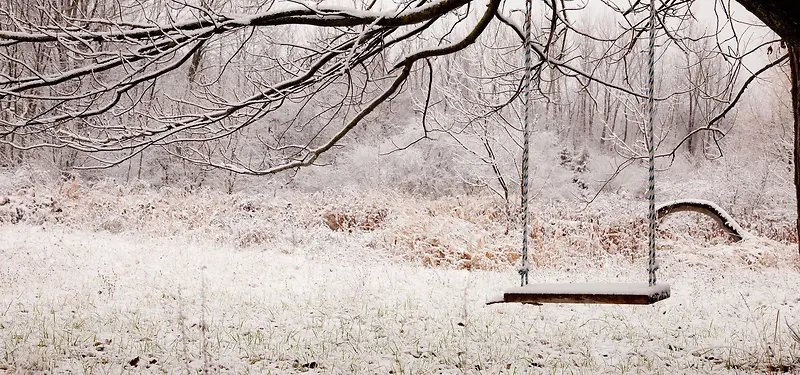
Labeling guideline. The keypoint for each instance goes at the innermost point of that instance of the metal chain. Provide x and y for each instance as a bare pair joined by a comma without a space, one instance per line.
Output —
526,94
651,186
526,87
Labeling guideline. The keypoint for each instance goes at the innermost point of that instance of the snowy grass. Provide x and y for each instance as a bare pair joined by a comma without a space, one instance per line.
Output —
466,232
81,301
109,279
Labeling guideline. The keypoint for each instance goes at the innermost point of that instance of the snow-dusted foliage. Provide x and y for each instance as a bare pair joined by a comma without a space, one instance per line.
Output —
396,129
104,276
76,300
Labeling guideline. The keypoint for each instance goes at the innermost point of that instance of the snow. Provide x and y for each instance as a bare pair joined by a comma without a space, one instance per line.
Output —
592,288
81,301
727,218
290,7
638,293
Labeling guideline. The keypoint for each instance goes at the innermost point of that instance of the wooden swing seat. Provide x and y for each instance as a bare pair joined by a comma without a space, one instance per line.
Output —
586,293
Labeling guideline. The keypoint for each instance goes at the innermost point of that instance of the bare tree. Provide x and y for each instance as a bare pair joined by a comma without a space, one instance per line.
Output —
112,81
118,67
116,62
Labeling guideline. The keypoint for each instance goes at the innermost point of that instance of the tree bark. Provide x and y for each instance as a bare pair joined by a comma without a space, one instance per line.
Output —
794,62
780,15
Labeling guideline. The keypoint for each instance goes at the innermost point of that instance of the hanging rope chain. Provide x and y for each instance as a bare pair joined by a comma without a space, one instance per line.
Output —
526,93
651,185
526,96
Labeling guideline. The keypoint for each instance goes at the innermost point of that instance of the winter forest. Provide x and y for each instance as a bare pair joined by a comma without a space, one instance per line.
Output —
339,187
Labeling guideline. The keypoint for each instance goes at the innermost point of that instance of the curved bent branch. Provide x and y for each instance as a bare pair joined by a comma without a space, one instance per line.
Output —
708,208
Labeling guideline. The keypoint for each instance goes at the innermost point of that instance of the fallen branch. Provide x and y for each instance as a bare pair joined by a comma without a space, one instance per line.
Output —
708,208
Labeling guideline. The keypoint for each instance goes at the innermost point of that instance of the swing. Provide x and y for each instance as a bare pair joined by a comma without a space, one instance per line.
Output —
586,293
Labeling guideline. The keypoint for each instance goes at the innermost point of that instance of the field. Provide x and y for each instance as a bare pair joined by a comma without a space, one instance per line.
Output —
134,282
284,187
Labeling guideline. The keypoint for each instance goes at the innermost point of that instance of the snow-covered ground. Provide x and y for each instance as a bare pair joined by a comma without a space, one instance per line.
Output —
85,301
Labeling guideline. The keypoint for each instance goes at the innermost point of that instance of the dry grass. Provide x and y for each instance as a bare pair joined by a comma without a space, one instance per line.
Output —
368,219
465,232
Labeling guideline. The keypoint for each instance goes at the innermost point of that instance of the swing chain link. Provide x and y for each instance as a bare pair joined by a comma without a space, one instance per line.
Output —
651,194
526,91
526,96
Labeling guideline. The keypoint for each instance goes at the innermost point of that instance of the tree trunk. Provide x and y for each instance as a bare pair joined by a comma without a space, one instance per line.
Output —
780,15
794,62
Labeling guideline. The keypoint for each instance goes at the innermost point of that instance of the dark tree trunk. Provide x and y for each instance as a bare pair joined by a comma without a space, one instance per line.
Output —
783,18
794,61
780,15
